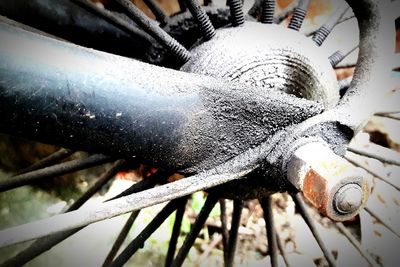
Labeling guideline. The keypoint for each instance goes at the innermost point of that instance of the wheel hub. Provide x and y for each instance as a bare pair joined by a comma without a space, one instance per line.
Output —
268,56
271,57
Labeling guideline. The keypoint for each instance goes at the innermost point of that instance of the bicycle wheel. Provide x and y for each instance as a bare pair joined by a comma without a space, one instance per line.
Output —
251,107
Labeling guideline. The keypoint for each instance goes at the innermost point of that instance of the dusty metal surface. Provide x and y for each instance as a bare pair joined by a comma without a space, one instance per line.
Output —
268,56
108,103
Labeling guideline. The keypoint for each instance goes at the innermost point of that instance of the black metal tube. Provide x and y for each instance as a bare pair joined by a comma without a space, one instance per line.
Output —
322,33
224,227
79,98
48,161
176,230
267,13
237,15
201,18
155,31
65,19
146,183
299,14
138,242
53,171
194,232
266,204
103,179
157,11
233,233
120,238
42,245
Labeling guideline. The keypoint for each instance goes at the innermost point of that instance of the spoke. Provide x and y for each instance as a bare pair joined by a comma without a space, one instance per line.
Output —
49,160
282,250
393,116
194,232
344,19
175,233
113,19
138,242
150,197
323,32
233,233
309,221
224,228
44,244
157,11
381,221
182,5
266,204
53,171
357,163
146,183
284,14
268,9
299,15
201,18
154,30
345,84
338,56
355,243
121,238
383,154
237,15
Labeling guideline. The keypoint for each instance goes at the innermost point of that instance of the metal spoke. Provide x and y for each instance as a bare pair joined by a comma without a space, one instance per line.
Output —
82,217
201,18
233,233
267,13
121,238
355,243
157,11
384,154
353,161
282,250
53,171
44,244
299,14
49,160
237,15
338,56
154,30
323,32
138,242
344,19
345,84
388,115
114,19
266,204
182,5
309,221
381,221
198,224
175,233
224,228
145,183
284,14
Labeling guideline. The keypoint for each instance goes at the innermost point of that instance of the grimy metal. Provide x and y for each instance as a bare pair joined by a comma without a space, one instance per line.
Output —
61,93
65,94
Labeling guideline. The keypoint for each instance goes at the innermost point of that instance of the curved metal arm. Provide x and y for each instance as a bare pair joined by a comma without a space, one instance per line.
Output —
68,95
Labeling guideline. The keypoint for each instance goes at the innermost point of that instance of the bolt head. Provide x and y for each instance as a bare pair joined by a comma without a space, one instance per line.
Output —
348,199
